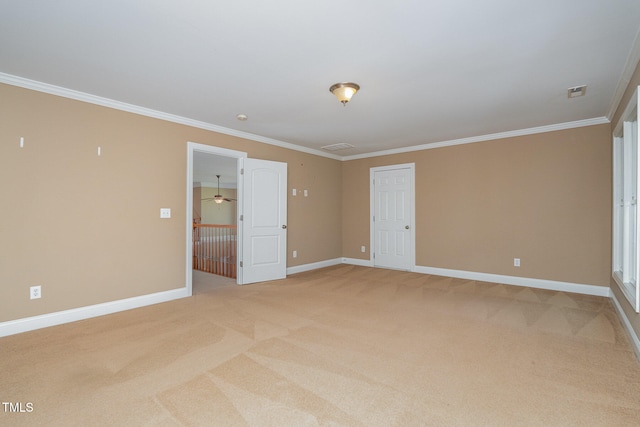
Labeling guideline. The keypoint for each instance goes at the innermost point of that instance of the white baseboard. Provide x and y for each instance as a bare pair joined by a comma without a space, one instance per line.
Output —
552,285
36,322
626,324
313,266
52,319
360,262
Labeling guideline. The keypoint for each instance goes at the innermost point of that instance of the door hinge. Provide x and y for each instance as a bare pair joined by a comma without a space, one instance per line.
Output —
242,171
241,264
374,218
241,217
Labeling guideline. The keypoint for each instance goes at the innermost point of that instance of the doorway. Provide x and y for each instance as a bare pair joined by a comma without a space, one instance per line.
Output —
261,215
392,226
204,163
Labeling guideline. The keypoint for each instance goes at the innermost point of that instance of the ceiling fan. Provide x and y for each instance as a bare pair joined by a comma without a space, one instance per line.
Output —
218,198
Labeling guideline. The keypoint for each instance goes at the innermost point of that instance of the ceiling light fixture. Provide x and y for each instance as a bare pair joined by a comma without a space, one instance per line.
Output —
218,198
344,91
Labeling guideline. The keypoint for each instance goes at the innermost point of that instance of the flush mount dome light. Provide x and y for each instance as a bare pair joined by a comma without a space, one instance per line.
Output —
344,91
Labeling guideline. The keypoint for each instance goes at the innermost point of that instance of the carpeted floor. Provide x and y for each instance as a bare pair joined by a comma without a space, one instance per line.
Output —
341,346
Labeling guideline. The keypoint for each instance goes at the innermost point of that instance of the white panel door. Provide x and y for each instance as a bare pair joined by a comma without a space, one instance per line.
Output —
392,219
264,224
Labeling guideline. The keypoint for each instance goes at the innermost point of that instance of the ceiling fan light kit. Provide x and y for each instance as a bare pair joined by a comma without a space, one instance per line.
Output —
344,91
218,198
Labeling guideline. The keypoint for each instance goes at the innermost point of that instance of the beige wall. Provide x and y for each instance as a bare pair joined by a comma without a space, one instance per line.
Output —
87,228
544,198
634,318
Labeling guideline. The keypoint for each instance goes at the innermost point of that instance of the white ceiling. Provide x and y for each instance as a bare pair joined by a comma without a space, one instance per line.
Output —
430,71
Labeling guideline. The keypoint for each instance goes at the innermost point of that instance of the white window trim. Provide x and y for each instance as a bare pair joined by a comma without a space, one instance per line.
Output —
626,227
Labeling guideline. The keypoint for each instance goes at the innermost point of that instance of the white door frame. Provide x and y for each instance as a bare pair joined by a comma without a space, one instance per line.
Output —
192,147
412,210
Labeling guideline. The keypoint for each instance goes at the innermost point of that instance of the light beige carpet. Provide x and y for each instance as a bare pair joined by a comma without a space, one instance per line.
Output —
341,346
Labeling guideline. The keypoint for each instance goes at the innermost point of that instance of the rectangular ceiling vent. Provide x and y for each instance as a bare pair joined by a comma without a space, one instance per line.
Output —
574,92
338,146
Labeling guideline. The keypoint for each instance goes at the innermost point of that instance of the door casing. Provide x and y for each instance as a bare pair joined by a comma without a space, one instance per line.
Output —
412,221
239,156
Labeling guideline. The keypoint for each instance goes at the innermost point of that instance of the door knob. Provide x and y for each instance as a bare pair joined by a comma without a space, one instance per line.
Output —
284,226
406,227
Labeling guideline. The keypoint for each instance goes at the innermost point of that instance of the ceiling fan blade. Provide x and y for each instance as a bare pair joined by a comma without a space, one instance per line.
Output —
230,200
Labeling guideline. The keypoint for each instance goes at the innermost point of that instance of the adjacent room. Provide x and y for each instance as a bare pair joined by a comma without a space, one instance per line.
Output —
290,213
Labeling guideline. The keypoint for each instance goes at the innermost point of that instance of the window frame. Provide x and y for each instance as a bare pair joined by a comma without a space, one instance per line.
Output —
626,229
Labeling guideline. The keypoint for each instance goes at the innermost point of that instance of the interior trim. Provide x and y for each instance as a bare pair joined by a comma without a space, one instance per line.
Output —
110,103
130,108
626,325
625,77
552,285
53,319
490,137
26,324
359,262
313,266
232,155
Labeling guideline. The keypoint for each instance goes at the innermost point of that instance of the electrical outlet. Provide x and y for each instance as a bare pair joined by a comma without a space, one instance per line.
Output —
516,262
35,292
363,249
295,254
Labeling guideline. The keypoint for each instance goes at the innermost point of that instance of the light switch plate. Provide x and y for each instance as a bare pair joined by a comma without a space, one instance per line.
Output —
165,212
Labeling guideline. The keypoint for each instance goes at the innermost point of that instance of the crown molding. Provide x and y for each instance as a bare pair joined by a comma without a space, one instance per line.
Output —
122,106
130,108
471,140
625,78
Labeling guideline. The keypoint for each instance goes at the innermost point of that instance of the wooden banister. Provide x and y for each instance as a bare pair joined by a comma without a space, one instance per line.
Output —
215,248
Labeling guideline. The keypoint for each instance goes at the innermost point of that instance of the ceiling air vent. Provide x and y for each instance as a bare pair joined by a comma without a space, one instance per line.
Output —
338,146
574,92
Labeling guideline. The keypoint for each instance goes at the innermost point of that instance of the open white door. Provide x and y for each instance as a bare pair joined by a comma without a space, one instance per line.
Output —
264,223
